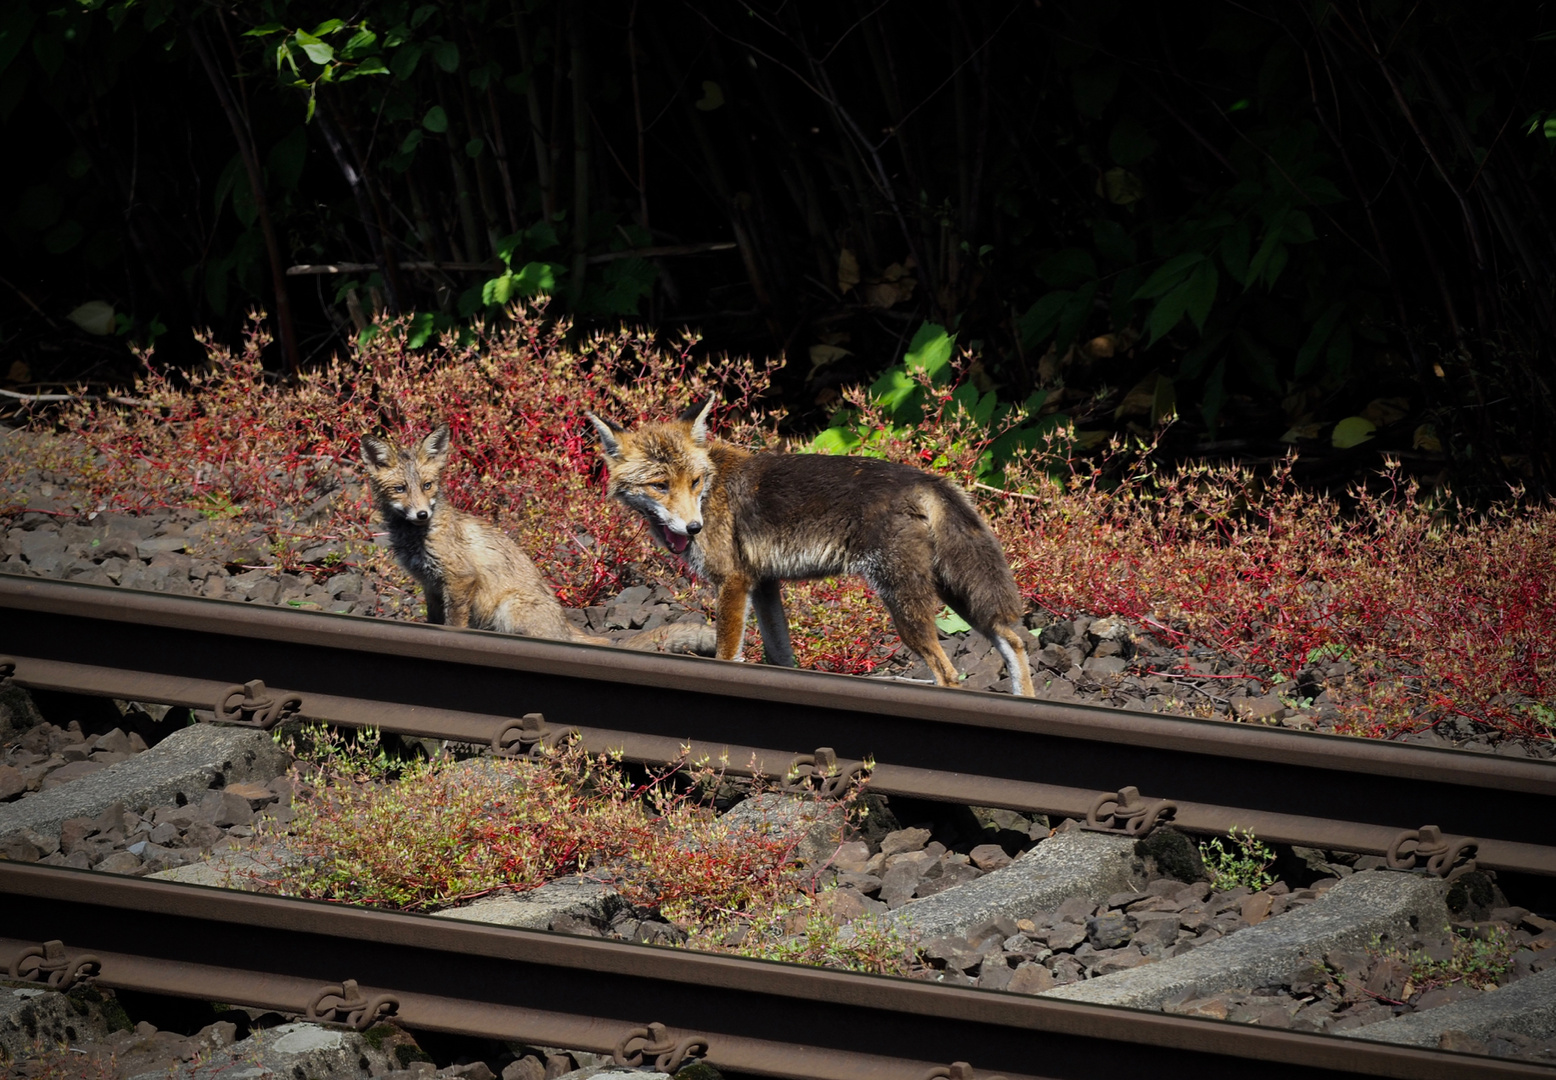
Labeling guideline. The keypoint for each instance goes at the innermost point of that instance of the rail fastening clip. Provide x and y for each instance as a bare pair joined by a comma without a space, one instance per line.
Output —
670,1055
1127,812
530,736
48,963
957,1070
1427,848
251,705
345,1004
822,774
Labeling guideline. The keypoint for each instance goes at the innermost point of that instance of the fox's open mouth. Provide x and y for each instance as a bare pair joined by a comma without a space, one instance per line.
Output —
675,541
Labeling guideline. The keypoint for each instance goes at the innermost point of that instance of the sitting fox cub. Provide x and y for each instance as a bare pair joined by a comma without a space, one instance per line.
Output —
472,573
747,521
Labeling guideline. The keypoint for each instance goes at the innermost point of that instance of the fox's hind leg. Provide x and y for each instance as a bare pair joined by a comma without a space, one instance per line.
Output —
1007,639
767,601
913,605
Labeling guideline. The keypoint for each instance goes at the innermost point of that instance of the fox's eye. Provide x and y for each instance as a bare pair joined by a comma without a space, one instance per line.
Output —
398,489
696,483
427,486
663,489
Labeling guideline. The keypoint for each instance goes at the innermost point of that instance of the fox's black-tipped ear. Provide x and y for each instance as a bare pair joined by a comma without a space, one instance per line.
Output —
609,432
376,454
435,445
697,416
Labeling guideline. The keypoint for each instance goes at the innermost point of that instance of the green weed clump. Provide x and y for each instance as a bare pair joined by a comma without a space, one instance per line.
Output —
1246,862
1478,961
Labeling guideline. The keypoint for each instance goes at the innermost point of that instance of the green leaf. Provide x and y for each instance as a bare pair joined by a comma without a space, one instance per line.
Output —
1267,248
358,41
535,278
712,96
835,440
446,55
1073,318
320,52
499,289
436,120
474,147
895,391
950,622
1234,246
1169,275
1202,293
930,350
1352,431
403,63
1039,320
263,28
1130,143
421,329
1307,356
1168,312
541,236
371,66
1298,228
422,14
411,142
328,26
1068,268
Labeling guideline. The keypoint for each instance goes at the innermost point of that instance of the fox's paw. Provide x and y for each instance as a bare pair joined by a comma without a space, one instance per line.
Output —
691,638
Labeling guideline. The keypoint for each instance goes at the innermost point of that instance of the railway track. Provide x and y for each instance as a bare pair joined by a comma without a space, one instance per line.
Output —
1412,804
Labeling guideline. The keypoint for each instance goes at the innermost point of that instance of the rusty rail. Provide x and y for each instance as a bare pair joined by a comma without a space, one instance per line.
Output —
747,1016
952,745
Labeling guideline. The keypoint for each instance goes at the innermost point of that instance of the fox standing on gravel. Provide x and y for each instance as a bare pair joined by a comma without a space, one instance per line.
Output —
748,521
473,575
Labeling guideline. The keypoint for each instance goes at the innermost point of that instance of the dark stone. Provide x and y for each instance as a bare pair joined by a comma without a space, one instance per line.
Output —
1175,854
1472,896
1109,931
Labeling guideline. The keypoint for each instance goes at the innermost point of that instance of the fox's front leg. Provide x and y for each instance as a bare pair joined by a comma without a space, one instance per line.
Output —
437,612
730,616
767,600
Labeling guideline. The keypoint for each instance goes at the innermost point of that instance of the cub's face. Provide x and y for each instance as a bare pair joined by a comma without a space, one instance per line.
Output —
405,480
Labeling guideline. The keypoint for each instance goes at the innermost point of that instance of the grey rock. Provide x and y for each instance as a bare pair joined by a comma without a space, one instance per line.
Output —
28,1015
185,764
812,828
582,898
299,1049
1071,864
1349,916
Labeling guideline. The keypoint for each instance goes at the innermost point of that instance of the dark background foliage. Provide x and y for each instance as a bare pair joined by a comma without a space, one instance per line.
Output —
1312,222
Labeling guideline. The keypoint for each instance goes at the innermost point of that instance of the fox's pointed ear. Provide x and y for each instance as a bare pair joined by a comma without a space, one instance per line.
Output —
609,432
376,454
697,417
435,445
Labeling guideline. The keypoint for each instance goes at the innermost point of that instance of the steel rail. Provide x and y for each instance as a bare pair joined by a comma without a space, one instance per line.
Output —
739,760
965,746
754,1016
